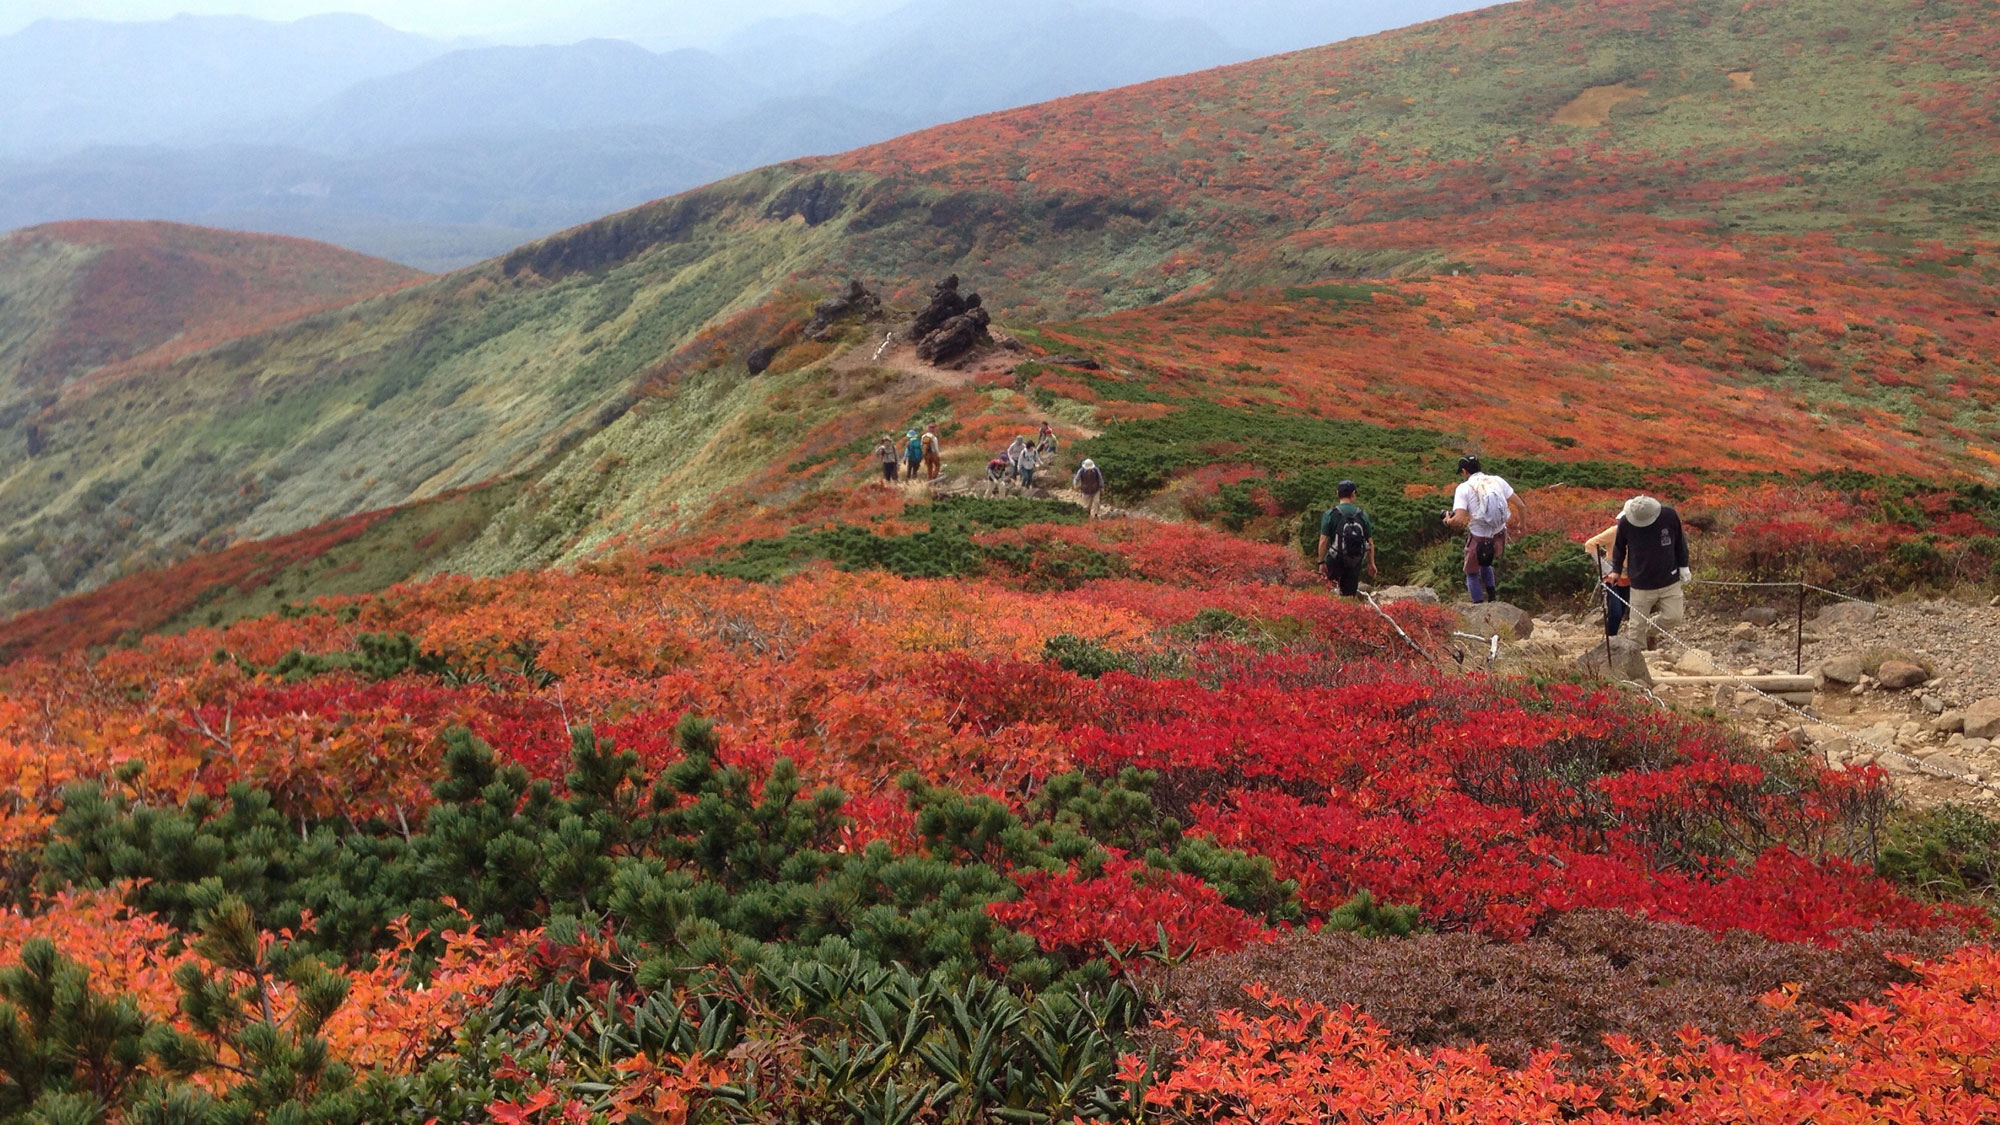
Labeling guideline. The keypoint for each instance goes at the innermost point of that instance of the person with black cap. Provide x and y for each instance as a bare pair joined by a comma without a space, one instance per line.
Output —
1487,508
1650,558
1346,542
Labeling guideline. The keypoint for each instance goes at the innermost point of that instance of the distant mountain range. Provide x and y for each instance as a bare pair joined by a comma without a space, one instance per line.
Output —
438,155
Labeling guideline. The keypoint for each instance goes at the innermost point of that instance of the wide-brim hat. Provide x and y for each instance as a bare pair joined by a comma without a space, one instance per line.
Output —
1641,511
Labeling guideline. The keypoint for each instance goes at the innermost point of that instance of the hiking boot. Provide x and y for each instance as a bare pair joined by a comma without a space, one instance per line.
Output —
1492,595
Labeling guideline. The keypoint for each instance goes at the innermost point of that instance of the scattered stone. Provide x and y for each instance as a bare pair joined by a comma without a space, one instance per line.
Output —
1848,613
1793,741
1762,616
1695,662
1900,675
1982,719
1842,670
1837,750
1950,722
1422,595
1976,745
1743,631
1509,621
1933,705
759,360
1950,762
1622,659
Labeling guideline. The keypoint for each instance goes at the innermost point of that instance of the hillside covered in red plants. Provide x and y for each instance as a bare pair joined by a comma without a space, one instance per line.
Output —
400,857
132,293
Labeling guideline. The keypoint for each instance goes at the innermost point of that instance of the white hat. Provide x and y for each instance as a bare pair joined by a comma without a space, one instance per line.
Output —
1641,511
1089,464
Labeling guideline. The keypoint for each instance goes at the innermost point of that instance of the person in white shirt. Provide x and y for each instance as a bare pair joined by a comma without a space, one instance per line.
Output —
1487,508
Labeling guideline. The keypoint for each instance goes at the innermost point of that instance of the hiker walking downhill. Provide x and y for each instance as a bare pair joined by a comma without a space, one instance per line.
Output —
1650,556
1487,508
933,459
1030,461
1014,451
1347,542
913,454
1089,480
1616,597
1045,444
885,452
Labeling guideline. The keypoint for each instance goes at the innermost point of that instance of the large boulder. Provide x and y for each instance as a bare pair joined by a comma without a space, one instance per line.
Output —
1849,613
1618,659
1844,671
1509,622
1422,595
1901,675
1982,719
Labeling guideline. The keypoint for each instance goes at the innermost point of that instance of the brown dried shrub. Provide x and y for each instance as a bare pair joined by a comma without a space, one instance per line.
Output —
1593,973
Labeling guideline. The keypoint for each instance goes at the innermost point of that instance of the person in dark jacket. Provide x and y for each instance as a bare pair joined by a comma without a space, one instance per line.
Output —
1347,542
1650,559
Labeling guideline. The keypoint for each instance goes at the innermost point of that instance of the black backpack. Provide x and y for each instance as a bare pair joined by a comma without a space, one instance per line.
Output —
1351,537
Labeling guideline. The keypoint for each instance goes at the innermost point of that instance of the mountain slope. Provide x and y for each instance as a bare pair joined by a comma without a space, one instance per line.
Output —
1474,144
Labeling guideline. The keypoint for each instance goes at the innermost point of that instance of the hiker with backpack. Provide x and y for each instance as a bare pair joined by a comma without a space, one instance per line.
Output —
1486,507
1346,542
1650,556
1014,450
1089,480
1045,443
913,454
885,452
933,459
1029,461
996,473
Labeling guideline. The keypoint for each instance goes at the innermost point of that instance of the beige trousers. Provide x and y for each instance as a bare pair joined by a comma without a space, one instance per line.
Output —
1666,604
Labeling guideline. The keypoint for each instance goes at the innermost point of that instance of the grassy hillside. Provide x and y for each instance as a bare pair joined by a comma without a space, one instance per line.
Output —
1524,156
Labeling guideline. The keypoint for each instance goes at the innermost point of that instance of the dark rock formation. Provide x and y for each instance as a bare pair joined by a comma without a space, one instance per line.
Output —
855,301
759,361
945,303
955,337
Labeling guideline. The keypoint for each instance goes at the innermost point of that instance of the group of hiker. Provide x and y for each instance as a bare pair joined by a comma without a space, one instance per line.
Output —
916,451
1642,557
1015,467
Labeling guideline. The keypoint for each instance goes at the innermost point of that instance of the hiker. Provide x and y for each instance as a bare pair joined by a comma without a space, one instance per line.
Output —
1045,443
933,460
1616,597
1031,460
1346,541
996,473
1014,451
913,454
886,453
1485,506
1089,480
1650,555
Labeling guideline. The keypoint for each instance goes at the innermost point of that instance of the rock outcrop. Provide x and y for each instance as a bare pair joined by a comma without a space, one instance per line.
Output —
854,301
1617,659
1489,618
951,325
945,304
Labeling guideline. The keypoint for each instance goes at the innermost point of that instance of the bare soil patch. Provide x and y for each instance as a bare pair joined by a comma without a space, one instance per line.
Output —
1593,107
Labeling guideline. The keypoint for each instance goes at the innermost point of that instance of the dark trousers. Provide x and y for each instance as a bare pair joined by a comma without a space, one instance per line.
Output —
1616,608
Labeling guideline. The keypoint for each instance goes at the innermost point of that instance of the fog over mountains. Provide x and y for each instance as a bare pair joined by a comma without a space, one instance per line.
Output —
437,153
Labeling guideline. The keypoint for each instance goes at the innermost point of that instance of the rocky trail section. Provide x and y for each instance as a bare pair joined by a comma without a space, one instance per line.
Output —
1921,678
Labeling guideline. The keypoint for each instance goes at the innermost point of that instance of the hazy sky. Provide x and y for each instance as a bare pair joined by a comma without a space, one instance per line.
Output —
526,20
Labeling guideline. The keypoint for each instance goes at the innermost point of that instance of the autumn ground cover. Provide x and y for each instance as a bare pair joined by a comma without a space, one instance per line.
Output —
640,842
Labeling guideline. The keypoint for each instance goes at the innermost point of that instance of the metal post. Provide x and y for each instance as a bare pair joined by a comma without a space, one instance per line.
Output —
1799,654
